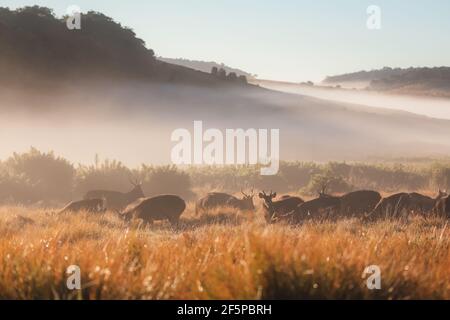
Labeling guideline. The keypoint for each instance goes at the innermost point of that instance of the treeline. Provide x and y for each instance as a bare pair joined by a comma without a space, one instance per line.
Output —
428,81
221,74
38,177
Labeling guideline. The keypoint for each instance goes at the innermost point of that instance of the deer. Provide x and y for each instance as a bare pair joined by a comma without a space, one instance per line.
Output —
162,207
322,207
442,206
395,204
390,206
358,203
246,203
276,209
117,200
89,205
218,199
418,203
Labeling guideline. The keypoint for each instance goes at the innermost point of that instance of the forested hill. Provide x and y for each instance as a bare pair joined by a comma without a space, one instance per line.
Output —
34,43
421,81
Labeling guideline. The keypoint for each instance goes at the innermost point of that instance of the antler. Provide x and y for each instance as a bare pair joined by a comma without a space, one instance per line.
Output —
324,188
135,182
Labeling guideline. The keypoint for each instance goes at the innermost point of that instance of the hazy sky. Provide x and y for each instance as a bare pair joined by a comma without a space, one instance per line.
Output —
283,40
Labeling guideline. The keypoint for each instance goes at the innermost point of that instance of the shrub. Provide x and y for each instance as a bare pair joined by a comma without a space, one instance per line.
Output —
49,177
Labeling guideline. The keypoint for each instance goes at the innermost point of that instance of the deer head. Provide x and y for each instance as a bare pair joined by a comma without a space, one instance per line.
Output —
248,199
137,190
268,204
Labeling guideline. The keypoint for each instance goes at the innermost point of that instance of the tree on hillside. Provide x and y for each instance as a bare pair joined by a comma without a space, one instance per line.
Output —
232,76
222,74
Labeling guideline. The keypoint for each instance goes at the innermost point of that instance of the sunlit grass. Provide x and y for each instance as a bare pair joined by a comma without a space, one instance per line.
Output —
221,255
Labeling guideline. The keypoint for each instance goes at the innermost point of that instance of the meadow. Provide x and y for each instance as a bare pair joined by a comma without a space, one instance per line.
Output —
223,254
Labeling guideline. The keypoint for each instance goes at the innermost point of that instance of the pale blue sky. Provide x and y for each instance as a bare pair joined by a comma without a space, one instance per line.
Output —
283,40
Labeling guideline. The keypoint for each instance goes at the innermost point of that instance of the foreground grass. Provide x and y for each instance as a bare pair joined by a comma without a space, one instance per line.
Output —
220,256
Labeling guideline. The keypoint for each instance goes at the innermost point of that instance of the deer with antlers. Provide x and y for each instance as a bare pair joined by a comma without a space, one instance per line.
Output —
116,200
246,203
218,199
275,210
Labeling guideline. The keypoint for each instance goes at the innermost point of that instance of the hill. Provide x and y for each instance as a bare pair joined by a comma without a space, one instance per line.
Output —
420,81
35,45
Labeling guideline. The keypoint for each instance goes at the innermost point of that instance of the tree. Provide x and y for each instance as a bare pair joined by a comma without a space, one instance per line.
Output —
243,79
222,74
214,71
232,76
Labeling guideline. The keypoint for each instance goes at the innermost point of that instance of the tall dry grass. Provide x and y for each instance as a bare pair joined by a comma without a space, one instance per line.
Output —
222,255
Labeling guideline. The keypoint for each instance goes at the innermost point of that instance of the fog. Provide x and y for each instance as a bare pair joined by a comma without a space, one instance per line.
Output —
428,106
133,122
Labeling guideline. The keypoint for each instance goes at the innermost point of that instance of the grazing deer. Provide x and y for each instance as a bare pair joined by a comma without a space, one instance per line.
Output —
388,207
358,203
218,199
418,203
89,205
322,207
274,210
246,203
163,207
414,202
117,200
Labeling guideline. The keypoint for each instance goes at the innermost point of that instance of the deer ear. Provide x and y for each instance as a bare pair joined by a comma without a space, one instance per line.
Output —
261,195
274,195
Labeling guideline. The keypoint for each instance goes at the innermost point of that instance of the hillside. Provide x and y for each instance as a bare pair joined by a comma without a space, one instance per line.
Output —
36,46
420,81
106,81
206,66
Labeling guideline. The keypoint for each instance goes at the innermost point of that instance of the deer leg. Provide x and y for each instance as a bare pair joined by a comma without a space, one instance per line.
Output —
174,221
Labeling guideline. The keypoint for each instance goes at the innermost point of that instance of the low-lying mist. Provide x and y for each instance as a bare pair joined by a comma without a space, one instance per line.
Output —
428,106
132,122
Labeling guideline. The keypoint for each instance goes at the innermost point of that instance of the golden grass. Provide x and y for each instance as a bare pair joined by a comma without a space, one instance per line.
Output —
222,255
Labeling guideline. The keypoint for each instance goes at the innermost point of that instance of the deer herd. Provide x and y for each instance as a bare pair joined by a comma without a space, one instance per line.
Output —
364,204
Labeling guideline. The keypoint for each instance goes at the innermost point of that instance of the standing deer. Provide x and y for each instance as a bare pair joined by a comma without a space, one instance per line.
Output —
163,207
117,200
358,203
89,205
275,210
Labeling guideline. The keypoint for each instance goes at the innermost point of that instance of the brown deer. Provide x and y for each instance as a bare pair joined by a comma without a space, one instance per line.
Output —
89,205
388,207
218,199
395,205
117,200
418,203
323,207
274,210
442,207
358,203
163,207
246,203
